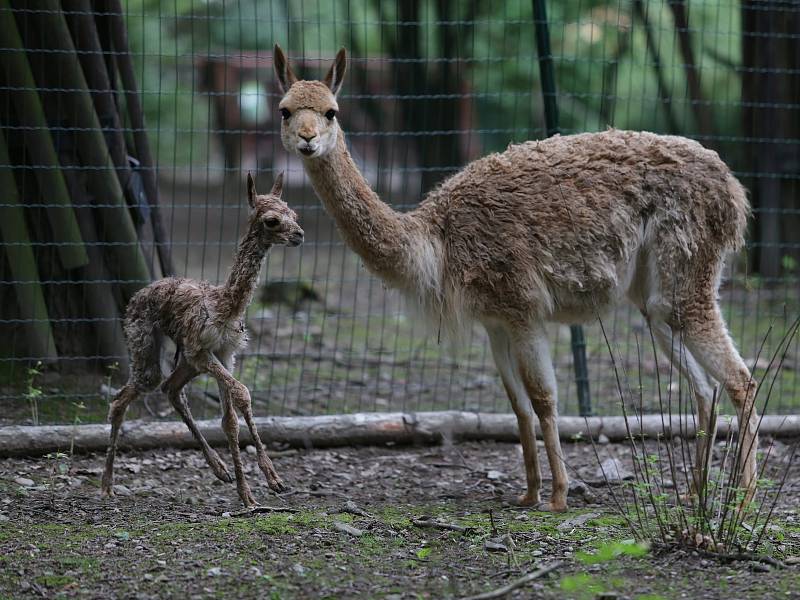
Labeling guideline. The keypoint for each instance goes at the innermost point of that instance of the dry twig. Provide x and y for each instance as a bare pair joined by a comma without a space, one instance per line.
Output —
431,523
517,583
249,512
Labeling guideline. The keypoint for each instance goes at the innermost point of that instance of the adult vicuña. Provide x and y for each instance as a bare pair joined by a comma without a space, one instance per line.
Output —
207,324
552,230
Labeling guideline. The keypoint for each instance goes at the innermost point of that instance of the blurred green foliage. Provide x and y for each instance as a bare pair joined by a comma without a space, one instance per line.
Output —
605,72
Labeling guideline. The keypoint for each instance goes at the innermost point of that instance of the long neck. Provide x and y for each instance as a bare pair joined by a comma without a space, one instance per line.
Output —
237,293
371,228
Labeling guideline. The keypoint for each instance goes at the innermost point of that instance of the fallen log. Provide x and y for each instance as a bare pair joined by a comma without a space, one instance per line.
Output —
356,429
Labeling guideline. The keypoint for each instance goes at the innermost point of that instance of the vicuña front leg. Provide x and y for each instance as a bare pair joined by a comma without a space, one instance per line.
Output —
229,390
243,402
230,425
173,387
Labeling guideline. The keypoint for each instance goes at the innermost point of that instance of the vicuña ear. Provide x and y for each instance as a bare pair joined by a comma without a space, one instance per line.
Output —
335,75
251,191
286,76
277,187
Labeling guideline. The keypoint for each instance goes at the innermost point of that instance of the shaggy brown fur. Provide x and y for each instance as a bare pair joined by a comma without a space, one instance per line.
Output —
554,230
207,324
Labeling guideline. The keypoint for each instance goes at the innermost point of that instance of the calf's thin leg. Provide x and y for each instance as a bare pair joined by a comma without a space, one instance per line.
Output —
116,414
229,389
173,387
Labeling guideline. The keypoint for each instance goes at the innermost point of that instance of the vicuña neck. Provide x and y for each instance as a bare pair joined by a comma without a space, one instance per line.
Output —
371,228
237,293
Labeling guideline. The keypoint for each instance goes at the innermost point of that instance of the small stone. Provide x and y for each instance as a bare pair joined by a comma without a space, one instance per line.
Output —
214,572
4,518
226,515
603,440
250,449
494,546
299,569
537,553
495,475
254,571
576,521
23,481
349,529
614,470
122,490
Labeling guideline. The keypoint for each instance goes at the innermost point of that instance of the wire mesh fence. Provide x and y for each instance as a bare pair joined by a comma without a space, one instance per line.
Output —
126,130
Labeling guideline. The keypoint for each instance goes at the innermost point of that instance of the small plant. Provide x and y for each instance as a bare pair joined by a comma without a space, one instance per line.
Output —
586,585
680,498
32,392
59,465
110,371
79,408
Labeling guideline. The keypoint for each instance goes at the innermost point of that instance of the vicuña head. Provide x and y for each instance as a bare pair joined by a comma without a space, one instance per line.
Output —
309,127
276,222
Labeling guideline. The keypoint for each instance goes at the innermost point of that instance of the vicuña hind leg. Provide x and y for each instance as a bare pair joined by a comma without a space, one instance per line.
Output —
501,350
702,390
116,414
709,342
535,367
173,387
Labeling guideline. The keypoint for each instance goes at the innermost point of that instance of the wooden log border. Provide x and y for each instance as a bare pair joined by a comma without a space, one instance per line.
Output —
357,429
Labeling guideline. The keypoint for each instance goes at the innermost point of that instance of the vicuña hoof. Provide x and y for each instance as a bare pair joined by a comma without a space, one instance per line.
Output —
276,484
247,497
218,467
528,500
557,507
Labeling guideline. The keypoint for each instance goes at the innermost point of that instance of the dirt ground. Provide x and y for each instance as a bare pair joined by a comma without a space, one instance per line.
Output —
173,531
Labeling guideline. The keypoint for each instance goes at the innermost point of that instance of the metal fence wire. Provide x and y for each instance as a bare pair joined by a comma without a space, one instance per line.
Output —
127,128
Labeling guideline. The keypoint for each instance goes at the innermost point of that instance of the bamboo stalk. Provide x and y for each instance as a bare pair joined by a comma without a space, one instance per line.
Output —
90,52
39,145
357,429
113,12
16,245
123,254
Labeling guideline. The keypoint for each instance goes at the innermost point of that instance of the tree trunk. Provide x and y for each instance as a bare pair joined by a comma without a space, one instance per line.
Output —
701,109
771,126
22,264
15,72
652,47
75,111
113,10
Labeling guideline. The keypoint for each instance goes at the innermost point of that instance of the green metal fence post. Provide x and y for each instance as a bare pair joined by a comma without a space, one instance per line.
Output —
548,82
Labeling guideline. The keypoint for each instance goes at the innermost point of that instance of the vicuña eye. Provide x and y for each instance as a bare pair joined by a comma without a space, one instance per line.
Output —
272,222
285,113
330,114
